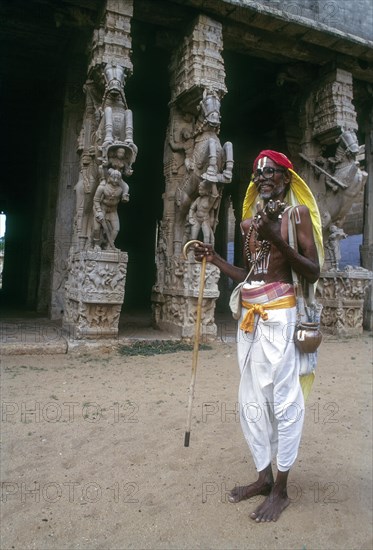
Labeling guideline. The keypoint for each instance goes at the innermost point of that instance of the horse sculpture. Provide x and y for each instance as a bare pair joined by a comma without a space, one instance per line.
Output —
206,162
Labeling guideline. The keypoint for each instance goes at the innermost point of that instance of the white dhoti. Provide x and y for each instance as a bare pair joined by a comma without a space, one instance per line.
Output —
270,396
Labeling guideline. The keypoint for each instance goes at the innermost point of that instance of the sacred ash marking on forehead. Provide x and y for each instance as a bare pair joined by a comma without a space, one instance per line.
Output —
262,162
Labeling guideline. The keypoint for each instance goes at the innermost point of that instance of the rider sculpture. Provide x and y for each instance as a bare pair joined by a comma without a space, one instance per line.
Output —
205,161
107,134
341,180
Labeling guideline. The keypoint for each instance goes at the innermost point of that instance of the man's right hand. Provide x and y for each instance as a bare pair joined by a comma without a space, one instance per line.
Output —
204,250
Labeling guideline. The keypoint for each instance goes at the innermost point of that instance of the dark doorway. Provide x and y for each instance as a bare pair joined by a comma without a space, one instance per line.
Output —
147,94
253,118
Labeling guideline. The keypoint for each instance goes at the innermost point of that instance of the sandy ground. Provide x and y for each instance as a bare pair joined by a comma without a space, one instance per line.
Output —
93,454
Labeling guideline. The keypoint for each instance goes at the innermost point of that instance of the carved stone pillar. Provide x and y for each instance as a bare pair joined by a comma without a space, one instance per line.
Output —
342,295
330,152
94,291
196,166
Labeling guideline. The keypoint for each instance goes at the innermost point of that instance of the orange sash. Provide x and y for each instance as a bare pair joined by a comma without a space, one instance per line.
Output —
247,323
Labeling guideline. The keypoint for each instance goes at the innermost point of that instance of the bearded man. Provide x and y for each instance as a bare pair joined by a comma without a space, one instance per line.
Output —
270,395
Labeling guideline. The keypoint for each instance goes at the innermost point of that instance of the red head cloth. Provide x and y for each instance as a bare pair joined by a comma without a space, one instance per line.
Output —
278,158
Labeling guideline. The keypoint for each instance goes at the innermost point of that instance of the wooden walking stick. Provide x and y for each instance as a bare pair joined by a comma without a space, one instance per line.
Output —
196,339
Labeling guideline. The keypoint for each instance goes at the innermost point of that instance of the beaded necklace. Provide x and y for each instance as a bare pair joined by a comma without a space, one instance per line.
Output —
260,258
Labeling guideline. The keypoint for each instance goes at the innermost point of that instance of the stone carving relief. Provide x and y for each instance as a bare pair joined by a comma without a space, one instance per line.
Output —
94,293
333,106
95,274
342,295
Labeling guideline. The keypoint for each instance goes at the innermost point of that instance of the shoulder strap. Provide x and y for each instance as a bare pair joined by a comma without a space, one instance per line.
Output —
293,213
291,227
292,239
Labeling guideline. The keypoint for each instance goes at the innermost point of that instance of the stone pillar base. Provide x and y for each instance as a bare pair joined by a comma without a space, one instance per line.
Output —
94,294
342,295
174,302
169,310
367,261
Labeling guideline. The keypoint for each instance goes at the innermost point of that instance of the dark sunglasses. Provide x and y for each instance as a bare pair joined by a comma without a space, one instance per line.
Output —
267,172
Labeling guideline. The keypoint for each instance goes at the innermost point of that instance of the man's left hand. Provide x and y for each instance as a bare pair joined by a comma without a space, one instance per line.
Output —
268,226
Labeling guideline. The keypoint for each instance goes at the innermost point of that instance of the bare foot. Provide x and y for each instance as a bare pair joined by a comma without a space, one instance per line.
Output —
248,491
262,486
273,505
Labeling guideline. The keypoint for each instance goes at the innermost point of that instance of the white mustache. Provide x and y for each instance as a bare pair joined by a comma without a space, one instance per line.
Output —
266,183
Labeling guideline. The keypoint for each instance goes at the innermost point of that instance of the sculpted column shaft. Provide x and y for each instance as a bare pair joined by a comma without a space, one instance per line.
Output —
68,175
